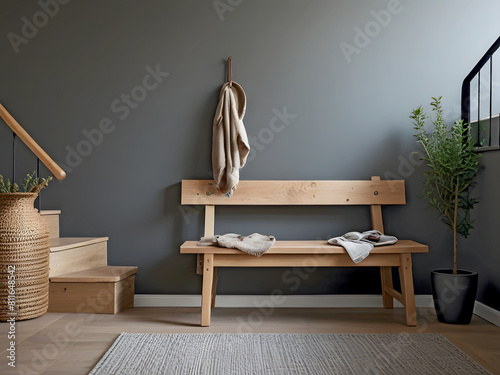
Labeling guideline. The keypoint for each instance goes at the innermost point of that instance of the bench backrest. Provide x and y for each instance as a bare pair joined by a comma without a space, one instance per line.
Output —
368,192
374,192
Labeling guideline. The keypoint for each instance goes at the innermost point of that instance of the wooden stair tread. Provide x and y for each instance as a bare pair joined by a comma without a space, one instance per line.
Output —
105,274
50,212
66,243
307,247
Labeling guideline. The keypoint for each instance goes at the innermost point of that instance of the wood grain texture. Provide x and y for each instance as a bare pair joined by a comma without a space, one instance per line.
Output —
304,260
214,285
32,145
50,212
209,231
374,193
52,222
376,212
292,193
124,294
105,274
306,247
80,258
209,220
376,216
66,243
406,278
206,296
394,294
386,282
91,297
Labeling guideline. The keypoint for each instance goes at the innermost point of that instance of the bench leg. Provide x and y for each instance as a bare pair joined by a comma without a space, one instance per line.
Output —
406,277
386,279
214,286
206,294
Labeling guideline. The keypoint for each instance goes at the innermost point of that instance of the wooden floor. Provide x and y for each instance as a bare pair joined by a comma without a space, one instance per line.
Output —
73,343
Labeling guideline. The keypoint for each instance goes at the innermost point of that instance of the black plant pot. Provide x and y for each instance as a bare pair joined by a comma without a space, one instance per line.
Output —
454,295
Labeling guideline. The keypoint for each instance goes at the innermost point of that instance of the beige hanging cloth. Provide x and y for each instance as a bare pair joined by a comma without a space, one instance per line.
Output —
230,146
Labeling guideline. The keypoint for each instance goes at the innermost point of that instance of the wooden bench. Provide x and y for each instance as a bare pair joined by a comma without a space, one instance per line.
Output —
373,193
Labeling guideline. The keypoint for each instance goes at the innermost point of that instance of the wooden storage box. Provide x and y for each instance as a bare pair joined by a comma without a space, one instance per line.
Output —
103,290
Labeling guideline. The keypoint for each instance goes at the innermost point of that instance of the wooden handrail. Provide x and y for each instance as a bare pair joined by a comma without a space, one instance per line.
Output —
32,145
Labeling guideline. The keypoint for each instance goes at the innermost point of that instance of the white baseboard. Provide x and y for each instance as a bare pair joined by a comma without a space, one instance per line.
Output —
487,313
297,301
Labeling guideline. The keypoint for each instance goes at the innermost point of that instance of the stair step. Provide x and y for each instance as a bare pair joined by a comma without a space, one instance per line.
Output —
51,217
67,243
74,254
105,274
101,290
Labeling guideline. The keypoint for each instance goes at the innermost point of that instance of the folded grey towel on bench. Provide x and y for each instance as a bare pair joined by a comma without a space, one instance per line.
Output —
254,244
358,245
375,237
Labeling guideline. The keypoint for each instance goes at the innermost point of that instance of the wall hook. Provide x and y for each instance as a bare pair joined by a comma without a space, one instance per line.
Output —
229,71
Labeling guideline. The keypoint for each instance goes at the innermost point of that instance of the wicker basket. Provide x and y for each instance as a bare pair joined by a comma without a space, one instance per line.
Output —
24,245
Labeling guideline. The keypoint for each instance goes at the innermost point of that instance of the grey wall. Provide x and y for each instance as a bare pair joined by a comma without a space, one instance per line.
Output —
351,122
480,252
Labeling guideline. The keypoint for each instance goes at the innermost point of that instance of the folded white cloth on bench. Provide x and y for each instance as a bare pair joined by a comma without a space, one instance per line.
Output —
358,245
254,244
357,250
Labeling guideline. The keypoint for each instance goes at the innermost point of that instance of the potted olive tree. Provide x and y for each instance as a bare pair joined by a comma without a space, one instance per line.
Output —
452,168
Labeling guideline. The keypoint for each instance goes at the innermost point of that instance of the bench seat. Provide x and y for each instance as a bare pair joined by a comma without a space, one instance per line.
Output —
307,247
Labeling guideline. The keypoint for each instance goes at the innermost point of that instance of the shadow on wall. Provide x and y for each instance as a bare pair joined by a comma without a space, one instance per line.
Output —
175,265
171,272
490,295
202,142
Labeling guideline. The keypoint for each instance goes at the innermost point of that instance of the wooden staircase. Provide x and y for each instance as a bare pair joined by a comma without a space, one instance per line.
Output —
80,279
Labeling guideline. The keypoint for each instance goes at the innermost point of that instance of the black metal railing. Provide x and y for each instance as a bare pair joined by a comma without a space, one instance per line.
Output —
41,156
38,201
482,140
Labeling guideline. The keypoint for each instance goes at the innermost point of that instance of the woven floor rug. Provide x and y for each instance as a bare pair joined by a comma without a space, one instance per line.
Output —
241,354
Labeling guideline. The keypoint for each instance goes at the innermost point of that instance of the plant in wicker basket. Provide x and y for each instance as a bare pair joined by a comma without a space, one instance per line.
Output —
24,251
30,184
